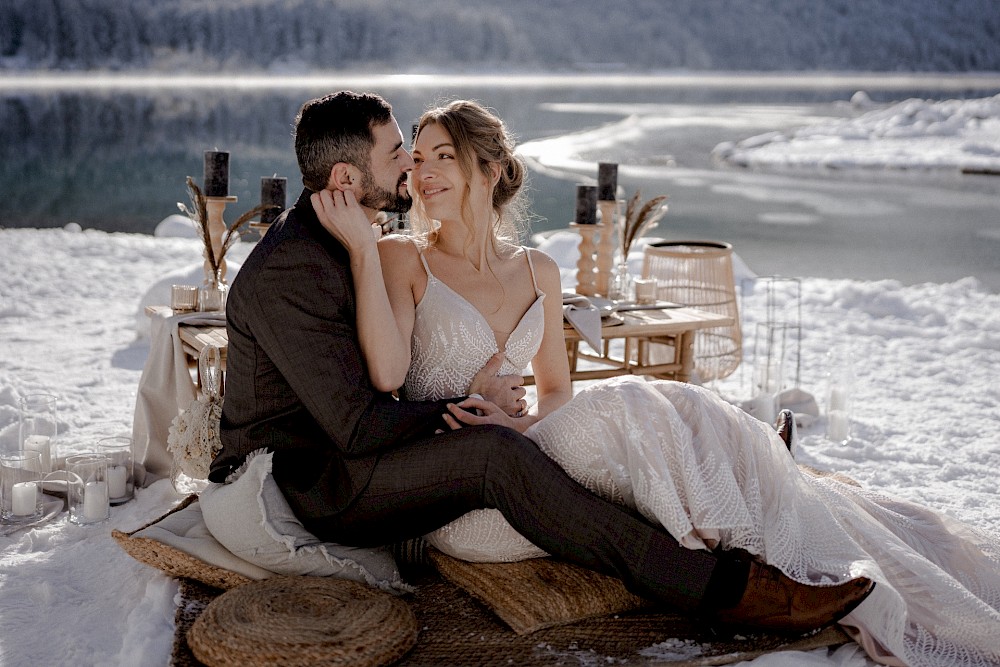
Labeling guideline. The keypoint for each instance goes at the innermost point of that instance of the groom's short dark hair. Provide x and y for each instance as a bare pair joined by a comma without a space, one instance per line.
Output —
337,128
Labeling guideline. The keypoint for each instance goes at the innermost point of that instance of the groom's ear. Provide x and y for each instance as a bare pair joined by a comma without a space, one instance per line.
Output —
344,176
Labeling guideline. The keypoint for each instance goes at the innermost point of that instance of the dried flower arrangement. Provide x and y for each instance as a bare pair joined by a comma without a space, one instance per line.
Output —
639,219
199,214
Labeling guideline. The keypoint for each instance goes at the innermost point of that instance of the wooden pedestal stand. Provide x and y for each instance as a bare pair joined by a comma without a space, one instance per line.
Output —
585,265
606,247
215,207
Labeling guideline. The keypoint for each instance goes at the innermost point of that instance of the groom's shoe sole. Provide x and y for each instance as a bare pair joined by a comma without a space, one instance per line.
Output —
776,603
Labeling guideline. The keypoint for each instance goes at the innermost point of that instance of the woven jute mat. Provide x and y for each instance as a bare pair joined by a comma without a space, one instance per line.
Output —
456,630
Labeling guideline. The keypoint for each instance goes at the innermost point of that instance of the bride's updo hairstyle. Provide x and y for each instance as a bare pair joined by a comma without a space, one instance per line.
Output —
480,138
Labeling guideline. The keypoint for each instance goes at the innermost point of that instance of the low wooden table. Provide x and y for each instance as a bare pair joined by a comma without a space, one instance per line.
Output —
195,338
673,327
638,329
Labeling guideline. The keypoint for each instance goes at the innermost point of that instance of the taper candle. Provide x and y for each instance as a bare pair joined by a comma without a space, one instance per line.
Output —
216,178
586,205
272,192
607,181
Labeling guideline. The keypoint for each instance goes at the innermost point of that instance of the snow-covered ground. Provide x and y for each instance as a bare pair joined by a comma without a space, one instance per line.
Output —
925,418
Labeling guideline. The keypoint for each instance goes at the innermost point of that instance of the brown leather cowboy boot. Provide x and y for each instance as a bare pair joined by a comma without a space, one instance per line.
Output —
776,603
785,426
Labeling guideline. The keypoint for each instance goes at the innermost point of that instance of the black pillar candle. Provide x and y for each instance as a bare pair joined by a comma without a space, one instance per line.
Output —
216,178
607,181
272,192
586,205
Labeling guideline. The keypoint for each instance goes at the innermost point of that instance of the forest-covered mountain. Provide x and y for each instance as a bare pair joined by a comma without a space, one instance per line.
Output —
507,36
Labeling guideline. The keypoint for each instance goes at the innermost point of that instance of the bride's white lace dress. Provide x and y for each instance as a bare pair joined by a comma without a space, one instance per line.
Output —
717,478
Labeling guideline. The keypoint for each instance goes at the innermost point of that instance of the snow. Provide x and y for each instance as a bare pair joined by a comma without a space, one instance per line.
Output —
924,416
914,134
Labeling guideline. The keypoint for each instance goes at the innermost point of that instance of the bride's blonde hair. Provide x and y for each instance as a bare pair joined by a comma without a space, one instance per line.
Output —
480,138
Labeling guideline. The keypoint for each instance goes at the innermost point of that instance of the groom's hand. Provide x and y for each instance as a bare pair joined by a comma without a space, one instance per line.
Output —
505,391
476,411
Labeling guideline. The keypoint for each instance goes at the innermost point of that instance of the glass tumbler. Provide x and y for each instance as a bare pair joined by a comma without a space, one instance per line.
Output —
121,480
37,426
20,486
88,488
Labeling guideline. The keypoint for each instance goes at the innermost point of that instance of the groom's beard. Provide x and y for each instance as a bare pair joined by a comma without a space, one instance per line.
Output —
378,198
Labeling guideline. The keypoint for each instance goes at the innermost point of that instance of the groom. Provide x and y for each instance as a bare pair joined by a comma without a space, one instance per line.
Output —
360,468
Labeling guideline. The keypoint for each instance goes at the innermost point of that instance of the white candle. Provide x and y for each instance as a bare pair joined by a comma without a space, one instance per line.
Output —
95,501
117,478
42,444
838,398
838,426
25,498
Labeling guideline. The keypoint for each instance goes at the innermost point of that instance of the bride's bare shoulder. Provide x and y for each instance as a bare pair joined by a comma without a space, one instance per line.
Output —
542,261
398,248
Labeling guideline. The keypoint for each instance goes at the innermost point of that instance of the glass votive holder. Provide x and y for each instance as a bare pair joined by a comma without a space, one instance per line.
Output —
20,486
121,480
87,476
766,387
183,297
645,290
212,297
37,426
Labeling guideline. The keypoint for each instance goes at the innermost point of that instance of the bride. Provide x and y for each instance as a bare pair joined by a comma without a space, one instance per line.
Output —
461,291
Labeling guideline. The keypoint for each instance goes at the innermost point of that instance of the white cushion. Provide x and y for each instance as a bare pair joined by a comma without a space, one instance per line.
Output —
252,519
185,531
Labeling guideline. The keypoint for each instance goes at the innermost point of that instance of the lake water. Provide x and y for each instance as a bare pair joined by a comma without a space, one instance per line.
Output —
113,153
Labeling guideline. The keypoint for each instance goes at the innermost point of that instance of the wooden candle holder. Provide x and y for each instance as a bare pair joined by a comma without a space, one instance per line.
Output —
585,266
216,207
606,247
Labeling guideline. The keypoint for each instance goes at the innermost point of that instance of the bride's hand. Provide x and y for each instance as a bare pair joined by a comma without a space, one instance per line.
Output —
341,215
459,415
505,391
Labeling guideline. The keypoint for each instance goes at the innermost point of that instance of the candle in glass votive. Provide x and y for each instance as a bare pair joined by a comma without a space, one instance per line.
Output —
607,181
586,205
216,177
838,428
838,398
43,445
95,501
117,481
24,498
272,192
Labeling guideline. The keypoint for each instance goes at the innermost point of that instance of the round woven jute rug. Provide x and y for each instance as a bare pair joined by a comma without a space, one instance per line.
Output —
303,621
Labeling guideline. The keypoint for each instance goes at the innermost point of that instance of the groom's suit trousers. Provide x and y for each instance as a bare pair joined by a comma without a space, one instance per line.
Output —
418,488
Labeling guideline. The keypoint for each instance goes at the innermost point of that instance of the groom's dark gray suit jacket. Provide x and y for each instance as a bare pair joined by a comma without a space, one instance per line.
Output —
296,383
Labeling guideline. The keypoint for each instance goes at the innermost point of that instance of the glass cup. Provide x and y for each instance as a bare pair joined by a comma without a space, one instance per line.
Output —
212,297
645,290
767,386
183,297
840,386
20,486
121,478
87,476
37,426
